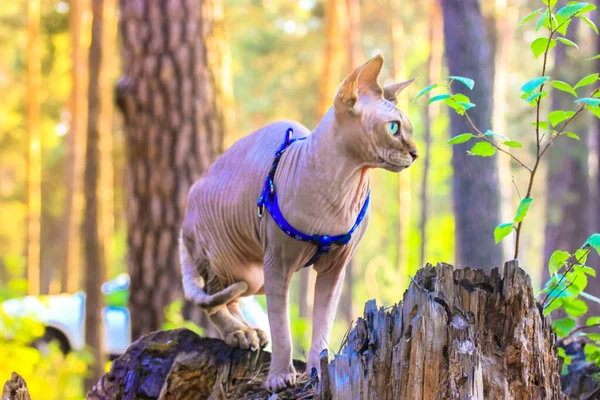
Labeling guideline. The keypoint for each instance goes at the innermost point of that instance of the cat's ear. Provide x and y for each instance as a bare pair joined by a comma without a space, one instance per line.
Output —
391,92
367,79
362,81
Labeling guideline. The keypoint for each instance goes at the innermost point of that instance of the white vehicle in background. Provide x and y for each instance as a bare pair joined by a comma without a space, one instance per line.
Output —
64,317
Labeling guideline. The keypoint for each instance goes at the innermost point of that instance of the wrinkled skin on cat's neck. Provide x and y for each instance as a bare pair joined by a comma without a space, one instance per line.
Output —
227,251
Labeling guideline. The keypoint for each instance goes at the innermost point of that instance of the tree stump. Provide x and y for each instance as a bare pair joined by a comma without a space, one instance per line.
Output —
458,334
15,388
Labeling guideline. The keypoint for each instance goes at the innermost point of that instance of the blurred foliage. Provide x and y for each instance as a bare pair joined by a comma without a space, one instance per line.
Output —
277,57
50,375
174,319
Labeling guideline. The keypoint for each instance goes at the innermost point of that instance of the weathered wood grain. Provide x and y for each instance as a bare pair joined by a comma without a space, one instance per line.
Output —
458,334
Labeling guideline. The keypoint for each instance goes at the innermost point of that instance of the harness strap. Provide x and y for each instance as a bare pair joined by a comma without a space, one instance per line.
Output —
268,199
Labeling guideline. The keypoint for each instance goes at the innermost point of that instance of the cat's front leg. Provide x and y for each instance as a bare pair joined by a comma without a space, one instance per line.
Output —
277,284
327,295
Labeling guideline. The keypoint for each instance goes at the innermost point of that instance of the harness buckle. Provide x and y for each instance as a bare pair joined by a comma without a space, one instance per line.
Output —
261,211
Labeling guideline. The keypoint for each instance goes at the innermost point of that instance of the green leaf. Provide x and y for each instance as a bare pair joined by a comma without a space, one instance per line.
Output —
460,110
592,336
553,305
438,98
557,260
566,360
578,280
533,84
502,231
567,42
581,255
570,9
556,117
531,98
494,134
470,83
565,87
540,45
595,111
512,143
459,97
549,3
588,80
530,16
466,105
597,56
465,137
426,90
585,269
571,135
575,308
542,124
593,241
563,326
483,149
589,23
592,321
523,208
589,100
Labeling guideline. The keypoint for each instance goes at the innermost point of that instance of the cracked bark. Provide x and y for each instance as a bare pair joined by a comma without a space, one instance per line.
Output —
457,334
174,97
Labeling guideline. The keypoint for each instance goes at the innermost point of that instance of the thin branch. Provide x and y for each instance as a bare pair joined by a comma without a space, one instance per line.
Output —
584,327
482,136
516,188
569,268
561,292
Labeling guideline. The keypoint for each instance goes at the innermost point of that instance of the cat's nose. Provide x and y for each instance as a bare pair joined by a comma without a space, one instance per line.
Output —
414,154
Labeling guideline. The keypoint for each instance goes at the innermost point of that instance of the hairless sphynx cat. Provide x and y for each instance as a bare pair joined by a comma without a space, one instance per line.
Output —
321,180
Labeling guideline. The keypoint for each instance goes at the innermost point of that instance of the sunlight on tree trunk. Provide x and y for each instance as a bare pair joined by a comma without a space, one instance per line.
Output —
70,266
34,147
336,25
398,68
434,72
105,125
95,263
172,100
354,59
476,195
506,21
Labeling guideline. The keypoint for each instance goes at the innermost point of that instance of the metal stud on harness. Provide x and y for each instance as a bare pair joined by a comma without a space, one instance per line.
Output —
268,199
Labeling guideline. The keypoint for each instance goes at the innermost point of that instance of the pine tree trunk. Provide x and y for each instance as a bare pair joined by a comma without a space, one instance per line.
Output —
476,194
174,108
399,73
34,147
434,70
506,20
95,263
105,127
70,264
458,334
354,57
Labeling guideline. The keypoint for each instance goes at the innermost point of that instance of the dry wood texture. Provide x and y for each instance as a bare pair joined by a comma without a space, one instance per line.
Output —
459,334
15,388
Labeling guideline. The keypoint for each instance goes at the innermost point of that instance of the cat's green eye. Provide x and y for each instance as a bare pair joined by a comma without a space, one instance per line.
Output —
393,127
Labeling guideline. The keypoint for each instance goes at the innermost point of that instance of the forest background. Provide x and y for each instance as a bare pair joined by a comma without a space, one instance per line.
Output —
267,60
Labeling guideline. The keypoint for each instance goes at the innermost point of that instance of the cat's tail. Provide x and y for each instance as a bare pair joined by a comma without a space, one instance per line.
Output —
193,289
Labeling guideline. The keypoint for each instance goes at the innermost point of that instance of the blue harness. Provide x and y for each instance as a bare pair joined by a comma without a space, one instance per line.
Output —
268,199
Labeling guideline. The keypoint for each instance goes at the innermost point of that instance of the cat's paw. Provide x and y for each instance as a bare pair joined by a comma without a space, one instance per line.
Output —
244,339
278,381
263,339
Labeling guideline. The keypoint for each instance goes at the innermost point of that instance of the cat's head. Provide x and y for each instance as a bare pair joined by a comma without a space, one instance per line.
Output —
373,129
